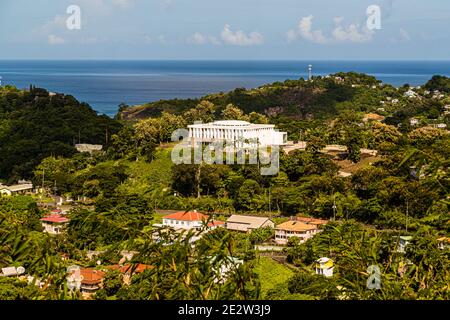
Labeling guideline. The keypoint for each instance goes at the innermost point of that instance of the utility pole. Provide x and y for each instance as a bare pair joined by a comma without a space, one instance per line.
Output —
270,208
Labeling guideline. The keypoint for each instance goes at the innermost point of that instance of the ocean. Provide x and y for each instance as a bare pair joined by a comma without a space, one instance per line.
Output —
106,84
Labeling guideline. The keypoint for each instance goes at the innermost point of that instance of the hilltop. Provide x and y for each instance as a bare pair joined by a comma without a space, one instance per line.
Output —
323,98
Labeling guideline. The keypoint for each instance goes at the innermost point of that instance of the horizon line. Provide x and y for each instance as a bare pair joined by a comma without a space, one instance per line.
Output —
233,60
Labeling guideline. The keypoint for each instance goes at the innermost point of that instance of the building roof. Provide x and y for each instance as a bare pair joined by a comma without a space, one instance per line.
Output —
313,221
227,124
295,226
132,268
55,218
252,221
187,216
216,223
91,276
9,271
18,187
324,263
373,116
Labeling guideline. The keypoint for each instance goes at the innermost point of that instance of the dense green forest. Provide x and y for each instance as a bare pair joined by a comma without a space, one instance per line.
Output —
35,124
403,190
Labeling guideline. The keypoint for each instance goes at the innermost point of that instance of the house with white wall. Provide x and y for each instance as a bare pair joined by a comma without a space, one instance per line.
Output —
190,220
298,229
324,266
54,223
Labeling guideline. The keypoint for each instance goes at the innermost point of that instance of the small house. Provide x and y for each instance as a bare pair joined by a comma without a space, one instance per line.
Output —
21,188
248,223
54,223
298,229
403,242
324,266
190,220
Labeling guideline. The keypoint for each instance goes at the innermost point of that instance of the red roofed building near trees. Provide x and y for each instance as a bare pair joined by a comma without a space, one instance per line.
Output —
129,270
54,223
189,220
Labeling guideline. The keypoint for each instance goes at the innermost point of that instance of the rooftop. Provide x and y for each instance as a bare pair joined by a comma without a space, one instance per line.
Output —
132,268
295,226
91,276
55,218
253,221
187,216
231,124
216,223
18,187
309,220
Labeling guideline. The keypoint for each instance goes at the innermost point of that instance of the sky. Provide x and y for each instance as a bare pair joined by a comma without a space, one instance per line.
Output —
225,29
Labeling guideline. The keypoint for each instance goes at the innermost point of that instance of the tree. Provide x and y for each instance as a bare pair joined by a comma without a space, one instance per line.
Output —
203,112
232,112
247,197
55,171
147,137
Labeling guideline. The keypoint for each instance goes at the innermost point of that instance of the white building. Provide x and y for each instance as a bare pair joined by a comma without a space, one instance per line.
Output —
21,188
190,220
236,131
54,223
325,267
296,229
410,94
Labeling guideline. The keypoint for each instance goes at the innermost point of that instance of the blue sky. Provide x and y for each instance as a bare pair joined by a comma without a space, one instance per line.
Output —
219,29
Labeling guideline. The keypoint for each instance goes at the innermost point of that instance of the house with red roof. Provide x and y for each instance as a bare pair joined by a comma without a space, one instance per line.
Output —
190,220
129,270
87,280
54,223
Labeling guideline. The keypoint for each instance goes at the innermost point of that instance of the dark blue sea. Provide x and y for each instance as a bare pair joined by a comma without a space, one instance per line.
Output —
106,84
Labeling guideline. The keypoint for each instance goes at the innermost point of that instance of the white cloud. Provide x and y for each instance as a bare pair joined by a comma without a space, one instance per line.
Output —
52,39
352,33
198,38
239,38
162,39
404,35
123,3
58,22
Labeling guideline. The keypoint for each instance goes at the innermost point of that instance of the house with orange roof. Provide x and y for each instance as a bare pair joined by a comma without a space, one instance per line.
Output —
293,228
129,270
190,220
54,223
313,221
87,280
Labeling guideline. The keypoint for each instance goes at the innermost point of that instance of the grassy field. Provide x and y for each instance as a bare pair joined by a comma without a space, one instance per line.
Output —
271,273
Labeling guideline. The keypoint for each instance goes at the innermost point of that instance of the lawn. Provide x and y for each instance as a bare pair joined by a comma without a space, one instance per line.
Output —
271,273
